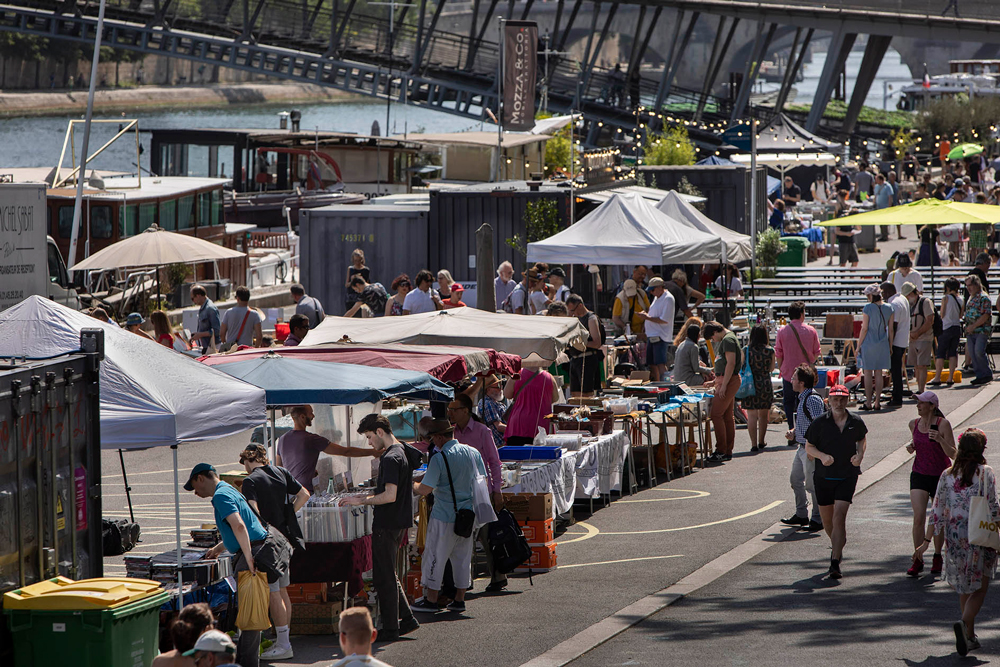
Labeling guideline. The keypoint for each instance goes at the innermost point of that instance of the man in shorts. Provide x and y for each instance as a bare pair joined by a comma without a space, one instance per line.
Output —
921,333
847,245
837,442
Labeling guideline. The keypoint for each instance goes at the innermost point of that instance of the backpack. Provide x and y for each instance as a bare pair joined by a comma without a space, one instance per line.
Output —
118,536
507,306
507,543
938,326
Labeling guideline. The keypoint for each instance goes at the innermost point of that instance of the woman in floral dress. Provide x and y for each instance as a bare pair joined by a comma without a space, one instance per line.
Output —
967,567
760,356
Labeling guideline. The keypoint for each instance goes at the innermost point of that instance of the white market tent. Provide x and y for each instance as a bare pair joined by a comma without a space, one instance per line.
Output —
739,247
785,161
628,229
151,396
530,338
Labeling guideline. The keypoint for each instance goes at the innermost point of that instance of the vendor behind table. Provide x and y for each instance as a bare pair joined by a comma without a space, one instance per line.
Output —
299,450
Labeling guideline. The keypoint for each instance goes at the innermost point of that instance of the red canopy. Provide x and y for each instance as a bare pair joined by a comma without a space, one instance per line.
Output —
445,362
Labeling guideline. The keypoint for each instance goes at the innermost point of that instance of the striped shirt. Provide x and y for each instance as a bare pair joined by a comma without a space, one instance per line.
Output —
804,419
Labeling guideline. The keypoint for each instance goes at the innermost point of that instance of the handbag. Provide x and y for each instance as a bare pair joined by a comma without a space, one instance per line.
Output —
464,519
747,388
982,523
510,408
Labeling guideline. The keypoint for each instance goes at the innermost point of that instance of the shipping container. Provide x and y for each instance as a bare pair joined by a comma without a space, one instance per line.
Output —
726,187
393,238
455,215
50,471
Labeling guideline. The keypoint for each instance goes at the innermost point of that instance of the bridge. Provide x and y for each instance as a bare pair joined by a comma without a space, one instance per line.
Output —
348,44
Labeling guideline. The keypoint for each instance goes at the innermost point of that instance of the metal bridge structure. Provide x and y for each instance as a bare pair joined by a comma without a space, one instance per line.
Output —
348,45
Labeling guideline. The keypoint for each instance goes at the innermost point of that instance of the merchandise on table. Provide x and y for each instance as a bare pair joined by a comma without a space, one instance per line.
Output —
325,519
207,536
195,568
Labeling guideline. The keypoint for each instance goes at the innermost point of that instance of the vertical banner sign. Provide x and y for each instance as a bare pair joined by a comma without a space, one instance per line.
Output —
520,69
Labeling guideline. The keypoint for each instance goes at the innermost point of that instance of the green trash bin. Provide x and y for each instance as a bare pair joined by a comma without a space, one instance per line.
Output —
113,622
796,251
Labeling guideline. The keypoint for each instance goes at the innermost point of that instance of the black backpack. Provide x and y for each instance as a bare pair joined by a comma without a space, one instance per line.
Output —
119,536
507,542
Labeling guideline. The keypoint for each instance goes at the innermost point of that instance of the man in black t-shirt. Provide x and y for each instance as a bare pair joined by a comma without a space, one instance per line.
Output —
275,495
393,502
792,194
837,442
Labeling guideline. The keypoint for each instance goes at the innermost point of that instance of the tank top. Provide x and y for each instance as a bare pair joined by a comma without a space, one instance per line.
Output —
952,315
930,460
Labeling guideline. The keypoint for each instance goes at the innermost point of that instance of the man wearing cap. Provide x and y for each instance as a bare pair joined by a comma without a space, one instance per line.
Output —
837,441
557,277
981,271
629,302
683,293
240,530
133,323
659,323
213,648
899,336
809,407
450,476
268,488
492,407
299,450
921,333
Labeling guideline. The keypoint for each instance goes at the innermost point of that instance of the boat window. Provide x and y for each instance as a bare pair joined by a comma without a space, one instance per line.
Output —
100,222
147,216
168,215
128,224
65,222
185,212
217,207
204,208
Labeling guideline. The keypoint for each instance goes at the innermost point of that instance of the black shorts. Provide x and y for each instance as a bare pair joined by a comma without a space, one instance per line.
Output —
928,483
947,342
585,373
830,490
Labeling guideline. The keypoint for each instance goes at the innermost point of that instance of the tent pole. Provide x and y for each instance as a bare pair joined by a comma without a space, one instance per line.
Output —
128,489
753,211
177,524
274,439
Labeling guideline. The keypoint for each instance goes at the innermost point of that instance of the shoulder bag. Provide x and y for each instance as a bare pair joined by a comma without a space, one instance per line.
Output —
802,349
464,519
273,554
747,388
982,523
510,408
236,341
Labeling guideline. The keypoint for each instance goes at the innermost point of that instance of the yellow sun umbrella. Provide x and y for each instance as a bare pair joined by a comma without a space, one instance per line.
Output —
928,211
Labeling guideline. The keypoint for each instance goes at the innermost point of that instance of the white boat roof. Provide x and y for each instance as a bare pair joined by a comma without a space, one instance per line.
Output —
150,187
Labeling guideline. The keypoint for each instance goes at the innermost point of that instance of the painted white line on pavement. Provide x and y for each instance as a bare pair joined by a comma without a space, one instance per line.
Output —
624,560
590,638
763,509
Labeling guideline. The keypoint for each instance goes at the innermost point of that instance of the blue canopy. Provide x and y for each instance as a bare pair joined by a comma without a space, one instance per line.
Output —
289,381
773,184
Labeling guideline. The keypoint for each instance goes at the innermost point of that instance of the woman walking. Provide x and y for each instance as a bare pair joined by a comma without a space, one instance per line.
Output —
760,356
968,567
951,332
728,359
934,443
874,352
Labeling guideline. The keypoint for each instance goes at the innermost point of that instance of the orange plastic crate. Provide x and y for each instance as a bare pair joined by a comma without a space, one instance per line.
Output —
307,593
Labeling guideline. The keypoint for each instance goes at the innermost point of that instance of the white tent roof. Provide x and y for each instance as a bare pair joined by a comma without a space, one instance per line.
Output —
739,247
789,160
526,336
628,229
151,396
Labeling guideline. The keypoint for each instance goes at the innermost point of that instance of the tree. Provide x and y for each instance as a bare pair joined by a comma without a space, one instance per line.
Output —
670,147
768,248
541,220
959,119
24,47
557,149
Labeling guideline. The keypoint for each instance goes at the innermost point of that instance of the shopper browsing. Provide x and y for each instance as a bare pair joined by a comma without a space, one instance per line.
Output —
299,450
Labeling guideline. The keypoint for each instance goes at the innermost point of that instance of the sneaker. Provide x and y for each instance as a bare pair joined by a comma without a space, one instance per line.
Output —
424,605
715,457
408,625
835,569
979,381
278,652
387,636
457,605
496,587
916,568
937,564
813,527
727,457
961,640
974,644
795,520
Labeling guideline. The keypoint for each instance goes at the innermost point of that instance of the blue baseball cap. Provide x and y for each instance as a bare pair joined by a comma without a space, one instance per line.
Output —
197,470
134,319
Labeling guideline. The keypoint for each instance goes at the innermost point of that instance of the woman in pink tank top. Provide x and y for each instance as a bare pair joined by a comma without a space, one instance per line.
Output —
934,445
533,394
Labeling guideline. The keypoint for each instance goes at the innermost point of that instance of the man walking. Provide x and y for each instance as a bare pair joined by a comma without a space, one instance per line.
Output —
659,328
307,305
268,488
797,343
240,530
393,503
477,435
209,321
921,333
241,325
299,450
450,475
837,442
978,313
900,337
504,284
423,299
809,407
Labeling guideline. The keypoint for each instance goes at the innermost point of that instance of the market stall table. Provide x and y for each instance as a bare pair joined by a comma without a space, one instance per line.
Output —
333,561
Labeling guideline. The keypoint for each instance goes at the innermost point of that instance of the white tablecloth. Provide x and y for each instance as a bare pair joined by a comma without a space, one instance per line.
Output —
594,470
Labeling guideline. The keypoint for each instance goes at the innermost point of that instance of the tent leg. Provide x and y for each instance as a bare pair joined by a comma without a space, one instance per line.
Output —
274,438
128,489
177,524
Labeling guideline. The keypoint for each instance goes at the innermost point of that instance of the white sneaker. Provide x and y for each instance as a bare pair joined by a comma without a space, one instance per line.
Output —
277,652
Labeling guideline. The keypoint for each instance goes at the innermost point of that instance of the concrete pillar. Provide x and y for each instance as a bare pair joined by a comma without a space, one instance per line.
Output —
874,52
840,46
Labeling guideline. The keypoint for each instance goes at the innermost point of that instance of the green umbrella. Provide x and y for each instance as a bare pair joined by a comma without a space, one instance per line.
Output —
964,150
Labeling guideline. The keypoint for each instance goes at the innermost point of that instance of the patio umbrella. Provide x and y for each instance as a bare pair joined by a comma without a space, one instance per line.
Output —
964,150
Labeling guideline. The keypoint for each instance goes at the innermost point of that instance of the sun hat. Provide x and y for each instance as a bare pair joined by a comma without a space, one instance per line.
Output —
656,281
907,289
928,397
872,289
134,319
839,390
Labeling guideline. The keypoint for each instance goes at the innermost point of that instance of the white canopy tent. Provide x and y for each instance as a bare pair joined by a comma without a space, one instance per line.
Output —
628,229
739,247
785,161
531,338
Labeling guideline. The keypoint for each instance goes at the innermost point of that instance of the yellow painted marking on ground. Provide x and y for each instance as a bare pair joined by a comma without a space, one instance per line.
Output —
624,560
592,531
697,494
702,525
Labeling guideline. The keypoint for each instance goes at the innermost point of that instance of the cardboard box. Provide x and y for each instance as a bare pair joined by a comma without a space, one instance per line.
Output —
529,506
315,619
543,558
308,593
411,586
538,532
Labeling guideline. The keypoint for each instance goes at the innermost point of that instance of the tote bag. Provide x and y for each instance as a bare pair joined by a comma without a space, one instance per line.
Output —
747,388
482,504
982,523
